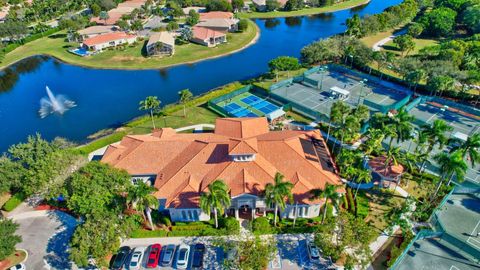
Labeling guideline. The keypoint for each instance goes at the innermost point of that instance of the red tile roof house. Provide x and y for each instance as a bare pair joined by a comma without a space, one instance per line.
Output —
100,42
207,37
219,21
242,152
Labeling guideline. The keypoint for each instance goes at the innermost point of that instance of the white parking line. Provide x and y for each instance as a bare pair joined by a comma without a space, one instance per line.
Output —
473,238
453,267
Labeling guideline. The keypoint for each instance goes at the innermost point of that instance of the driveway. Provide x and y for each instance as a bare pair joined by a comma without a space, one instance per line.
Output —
45,235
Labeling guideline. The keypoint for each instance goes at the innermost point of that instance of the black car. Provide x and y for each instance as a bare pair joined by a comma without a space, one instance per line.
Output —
198,254
120,258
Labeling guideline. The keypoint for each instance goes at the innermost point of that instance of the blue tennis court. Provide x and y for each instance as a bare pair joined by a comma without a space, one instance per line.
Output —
250,100
230,108
265,107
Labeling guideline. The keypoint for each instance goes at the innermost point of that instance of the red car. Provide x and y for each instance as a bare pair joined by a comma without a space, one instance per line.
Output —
154,255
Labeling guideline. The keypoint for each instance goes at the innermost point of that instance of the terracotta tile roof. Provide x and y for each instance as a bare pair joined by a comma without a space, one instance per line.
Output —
184,164
377,165
216,15
203,33
104,38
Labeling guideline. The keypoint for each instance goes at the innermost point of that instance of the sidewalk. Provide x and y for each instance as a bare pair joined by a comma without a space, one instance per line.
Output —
378,46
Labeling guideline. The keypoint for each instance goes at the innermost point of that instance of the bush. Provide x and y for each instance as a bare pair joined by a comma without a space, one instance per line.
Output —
261,225
362,206
14,201
242,25
190,227
231,225
141,233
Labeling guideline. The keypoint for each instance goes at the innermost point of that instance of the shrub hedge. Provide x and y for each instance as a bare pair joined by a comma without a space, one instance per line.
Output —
14,201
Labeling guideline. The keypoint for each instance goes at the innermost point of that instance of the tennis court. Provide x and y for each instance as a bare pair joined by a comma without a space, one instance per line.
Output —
463,124
318,91
458,247
247,105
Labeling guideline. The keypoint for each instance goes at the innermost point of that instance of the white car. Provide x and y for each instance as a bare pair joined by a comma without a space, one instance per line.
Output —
183,252
313,252
19,266
136,258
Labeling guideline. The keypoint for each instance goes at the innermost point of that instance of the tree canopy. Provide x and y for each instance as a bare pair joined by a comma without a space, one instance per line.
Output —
8,238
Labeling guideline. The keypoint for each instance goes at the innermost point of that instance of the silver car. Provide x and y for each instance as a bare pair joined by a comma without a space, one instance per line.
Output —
168,253
136,258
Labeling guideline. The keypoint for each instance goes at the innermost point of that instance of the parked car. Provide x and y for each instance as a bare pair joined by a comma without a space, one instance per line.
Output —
120,258
19,266
154,255
182,256
168,254
136,258
313,252
198,254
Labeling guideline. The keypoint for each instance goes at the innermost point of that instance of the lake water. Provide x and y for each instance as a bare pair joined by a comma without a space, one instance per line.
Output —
107,98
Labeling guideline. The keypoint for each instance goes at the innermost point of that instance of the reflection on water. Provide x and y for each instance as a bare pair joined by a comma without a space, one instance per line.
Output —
325,17
359,8
10,75
293,21
271,23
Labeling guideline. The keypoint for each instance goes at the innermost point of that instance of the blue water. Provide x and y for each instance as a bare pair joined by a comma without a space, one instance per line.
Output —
107,98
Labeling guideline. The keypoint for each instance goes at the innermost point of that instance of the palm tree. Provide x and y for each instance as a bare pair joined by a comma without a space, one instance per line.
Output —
217,199
362,176
104,16
276,192
150,103
435,134
185,96
374,142
469,147
140,198
329,193
450,165
391,158
338,116
402,123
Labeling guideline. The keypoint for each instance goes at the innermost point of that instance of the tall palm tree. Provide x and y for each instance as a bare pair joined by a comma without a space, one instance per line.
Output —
277,192
470,148
338,116
185,96
362,176
216,199
151,103
435,134
402,123
451,165
329,193
140,198
392,156
389,131
374,142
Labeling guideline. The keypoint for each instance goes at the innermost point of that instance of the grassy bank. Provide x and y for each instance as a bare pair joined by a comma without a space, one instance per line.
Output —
196,113
131,57
306,11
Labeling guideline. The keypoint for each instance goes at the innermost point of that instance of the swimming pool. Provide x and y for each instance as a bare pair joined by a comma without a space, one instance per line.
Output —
80,51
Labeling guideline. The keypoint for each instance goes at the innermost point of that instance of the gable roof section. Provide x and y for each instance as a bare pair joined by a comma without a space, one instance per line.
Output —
241,127
104,38
216,15
203,33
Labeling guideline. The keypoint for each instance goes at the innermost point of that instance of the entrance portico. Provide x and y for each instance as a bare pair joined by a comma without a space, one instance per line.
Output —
245,206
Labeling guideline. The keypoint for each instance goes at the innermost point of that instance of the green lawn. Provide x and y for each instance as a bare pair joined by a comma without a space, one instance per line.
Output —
306,11
131,57
420,43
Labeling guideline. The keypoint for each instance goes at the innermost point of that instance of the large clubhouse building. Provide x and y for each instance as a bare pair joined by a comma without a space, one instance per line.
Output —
242,152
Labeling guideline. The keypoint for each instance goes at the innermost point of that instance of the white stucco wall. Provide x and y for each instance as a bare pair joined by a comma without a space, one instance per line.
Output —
188,214
303,210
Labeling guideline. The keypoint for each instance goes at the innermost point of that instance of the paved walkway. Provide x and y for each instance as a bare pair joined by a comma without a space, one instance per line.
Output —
378,46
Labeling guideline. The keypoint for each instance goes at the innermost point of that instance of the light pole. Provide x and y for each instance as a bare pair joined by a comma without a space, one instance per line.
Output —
362,82
322,71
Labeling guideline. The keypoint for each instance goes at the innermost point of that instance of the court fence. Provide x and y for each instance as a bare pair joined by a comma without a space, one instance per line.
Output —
422,234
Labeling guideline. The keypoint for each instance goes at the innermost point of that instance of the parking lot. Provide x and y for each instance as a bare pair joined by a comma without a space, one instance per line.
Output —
292,252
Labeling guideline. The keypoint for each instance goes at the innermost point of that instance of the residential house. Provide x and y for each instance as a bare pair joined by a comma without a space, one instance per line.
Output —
261,5
207,37
243,152
221,25
122,9
216,15
103,41
161,43
95,30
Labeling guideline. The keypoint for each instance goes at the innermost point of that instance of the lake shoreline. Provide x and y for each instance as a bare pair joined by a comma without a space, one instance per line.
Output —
250,43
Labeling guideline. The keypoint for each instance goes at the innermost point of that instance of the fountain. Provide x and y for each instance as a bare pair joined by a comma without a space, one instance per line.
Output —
54,104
